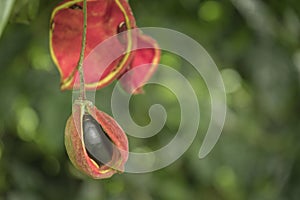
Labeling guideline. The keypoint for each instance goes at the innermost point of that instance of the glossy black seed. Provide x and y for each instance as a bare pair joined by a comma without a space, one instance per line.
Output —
97,144
76,7
121,28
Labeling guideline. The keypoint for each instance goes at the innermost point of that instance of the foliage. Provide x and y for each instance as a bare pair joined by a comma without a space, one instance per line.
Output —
6,7
256,47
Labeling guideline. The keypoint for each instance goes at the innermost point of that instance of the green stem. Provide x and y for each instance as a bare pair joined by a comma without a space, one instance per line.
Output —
80,62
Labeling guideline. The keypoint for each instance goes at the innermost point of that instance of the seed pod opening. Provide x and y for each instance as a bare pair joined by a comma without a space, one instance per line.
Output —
95,143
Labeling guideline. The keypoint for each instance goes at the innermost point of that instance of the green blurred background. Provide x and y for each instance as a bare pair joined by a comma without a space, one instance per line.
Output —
255,44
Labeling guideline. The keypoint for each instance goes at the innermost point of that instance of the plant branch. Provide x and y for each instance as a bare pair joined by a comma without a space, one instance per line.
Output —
80,62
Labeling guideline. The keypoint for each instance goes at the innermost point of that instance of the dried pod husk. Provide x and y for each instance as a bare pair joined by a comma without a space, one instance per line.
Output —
81,136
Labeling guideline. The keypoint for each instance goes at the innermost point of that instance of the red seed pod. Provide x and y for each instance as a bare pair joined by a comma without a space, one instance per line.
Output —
105,19
95,143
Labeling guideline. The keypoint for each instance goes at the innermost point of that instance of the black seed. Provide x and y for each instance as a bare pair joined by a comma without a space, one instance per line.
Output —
121,28
76,7
97,144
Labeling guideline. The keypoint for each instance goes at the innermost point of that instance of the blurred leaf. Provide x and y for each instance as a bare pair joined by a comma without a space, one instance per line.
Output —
5,8
25,11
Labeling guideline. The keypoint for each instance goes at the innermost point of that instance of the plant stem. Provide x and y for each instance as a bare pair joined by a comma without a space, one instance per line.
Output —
80,62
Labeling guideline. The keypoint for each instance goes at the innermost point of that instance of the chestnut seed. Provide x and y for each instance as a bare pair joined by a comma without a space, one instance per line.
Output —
99,147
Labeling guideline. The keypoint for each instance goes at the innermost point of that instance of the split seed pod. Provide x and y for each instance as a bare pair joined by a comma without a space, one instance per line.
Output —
105,19
95,143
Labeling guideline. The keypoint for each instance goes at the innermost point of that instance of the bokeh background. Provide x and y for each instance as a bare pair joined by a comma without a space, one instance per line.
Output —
255,44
